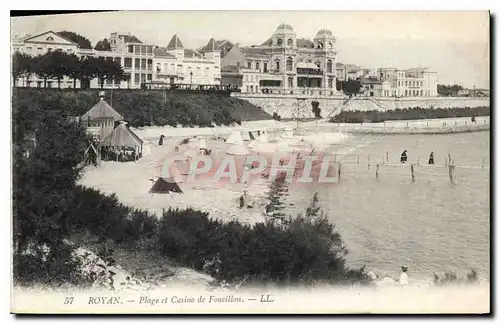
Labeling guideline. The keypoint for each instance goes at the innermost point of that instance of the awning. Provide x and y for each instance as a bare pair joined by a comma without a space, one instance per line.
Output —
301,65
312,66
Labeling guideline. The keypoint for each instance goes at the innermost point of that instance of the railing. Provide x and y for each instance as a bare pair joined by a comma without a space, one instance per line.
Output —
301,71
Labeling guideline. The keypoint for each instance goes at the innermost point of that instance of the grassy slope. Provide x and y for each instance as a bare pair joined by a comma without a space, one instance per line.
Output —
143,107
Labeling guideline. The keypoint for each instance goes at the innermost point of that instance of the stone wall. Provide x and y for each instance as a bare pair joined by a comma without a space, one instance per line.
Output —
286,105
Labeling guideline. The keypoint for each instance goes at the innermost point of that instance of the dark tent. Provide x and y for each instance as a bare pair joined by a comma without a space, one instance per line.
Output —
163,186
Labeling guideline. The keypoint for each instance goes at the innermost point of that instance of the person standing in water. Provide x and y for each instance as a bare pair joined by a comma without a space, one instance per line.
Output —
431,158
404,157
403,278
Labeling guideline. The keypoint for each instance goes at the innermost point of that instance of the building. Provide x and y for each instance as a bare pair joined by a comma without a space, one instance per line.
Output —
284,64
415,82
143,63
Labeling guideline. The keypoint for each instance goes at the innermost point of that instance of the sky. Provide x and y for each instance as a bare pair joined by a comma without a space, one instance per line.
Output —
453,43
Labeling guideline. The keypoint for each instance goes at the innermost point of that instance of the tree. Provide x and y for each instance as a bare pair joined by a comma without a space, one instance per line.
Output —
61,63
19,65
107,69
44,67
74,37
103,45
278,190
315,109
42,183
75,68
352,87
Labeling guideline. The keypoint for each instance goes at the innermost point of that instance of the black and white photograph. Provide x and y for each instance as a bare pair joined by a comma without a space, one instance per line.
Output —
250,162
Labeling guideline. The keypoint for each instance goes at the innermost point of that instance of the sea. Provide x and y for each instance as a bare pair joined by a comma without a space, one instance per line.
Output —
432,222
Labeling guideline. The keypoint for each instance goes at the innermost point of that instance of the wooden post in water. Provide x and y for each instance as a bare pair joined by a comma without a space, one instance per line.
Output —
418,160
376,172
368,163
358,159
412,173
387,157
340,168
482,164
449,159
450,171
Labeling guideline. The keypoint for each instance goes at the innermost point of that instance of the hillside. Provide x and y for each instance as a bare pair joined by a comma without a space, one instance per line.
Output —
152,108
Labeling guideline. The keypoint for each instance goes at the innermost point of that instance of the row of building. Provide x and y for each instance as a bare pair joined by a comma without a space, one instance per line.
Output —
283,64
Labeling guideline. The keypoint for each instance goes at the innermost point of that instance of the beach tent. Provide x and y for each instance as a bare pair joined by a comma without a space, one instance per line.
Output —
235,138
237,150
245,136
202,144
288,133
163,186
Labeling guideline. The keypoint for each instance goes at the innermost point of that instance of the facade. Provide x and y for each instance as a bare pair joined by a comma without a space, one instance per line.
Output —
415,82
284,64
144,63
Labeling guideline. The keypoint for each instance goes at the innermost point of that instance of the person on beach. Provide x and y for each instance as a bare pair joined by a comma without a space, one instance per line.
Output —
404,157
431,158
160,143
403,278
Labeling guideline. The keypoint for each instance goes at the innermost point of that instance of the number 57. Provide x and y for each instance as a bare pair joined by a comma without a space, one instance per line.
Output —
68,300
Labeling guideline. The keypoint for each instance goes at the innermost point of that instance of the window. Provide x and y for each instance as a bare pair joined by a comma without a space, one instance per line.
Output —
277,65
318,64
265,66
279,41
330,45
290,42
257,65
289,64
131,48
136,78
150,64
150,77
118,60
50,39
109,82
137,64
150,49
143,64
249,64
329,66
290,82
39,49
49,49
320,45
144,50
137,49
406,83
143,77
128,62
207,71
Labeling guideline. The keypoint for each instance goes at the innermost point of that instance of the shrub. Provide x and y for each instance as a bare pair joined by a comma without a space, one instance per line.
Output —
451,278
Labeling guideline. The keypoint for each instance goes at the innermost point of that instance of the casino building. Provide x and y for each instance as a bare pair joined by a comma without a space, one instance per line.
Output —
284,64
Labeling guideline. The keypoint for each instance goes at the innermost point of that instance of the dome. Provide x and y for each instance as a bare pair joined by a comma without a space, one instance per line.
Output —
324,32
284,27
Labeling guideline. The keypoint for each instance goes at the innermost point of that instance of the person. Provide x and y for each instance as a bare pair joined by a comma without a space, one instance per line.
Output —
473,119
403,279
160,143
431,158
242,202
404,157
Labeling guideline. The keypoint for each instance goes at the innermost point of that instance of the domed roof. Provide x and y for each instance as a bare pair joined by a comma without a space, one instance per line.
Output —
284,26
324,32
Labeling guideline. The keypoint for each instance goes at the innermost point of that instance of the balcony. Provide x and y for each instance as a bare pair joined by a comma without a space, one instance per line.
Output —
309,72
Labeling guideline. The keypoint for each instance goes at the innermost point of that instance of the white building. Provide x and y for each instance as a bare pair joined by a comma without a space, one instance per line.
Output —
144,63
415,82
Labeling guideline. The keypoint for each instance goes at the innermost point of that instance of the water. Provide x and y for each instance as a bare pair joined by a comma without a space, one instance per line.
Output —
431,225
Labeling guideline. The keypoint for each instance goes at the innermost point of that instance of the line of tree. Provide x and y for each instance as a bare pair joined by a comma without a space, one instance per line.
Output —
449,90
349,87
58,64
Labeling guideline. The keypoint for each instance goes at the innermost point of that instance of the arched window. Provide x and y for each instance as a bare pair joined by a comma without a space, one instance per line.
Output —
318,64
257,65
249,64
279,41
277,64
329,66
289,64
330,45
158,67
290,42
320,45
50,39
